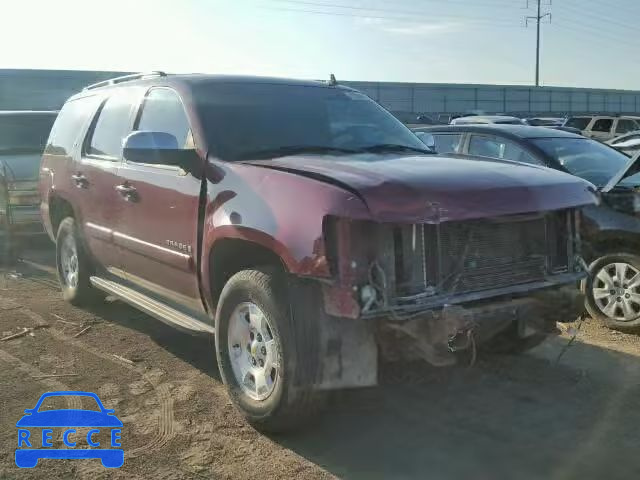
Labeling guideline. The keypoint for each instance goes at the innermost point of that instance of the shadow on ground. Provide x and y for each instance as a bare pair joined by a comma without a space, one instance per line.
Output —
525,417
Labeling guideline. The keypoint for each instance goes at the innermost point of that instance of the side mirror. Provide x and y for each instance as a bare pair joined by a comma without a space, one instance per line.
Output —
158,148
427,139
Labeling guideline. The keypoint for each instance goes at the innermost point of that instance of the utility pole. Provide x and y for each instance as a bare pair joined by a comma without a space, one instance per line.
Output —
538,18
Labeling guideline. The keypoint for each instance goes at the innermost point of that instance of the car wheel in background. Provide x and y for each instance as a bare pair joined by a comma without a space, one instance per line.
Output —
73,265
613,291
267,373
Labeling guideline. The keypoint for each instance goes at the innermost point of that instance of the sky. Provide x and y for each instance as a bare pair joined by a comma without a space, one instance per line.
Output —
589,43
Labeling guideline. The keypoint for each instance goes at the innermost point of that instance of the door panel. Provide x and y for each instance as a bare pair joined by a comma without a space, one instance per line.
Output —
159,234
159,231
100,209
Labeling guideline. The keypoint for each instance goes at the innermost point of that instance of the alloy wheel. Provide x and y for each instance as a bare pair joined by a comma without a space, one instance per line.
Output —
253,351
616,291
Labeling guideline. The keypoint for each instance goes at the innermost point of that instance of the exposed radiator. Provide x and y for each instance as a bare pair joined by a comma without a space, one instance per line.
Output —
461,257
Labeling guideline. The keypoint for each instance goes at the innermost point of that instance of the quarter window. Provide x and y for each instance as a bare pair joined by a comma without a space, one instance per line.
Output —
112,126
163,112
69,123
602,125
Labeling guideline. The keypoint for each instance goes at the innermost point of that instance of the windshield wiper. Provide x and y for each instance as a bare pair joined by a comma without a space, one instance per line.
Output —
293,150
392,147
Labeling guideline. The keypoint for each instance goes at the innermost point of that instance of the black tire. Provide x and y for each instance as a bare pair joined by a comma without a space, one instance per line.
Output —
293,400
508,342
590,302
81,293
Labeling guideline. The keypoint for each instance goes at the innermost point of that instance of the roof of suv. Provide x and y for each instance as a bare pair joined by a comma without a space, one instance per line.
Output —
159,78
514,131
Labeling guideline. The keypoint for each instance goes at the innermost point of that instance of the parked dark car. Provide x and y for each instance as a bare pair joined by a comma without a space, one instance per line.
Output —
23,135
305,226
611,231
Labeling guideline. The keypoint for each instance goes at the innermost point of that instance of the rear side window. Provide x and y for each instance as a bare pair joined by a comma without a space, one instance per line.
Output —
494,147
578,122
447,143
69,124
626,125
162,111
602,125
112,126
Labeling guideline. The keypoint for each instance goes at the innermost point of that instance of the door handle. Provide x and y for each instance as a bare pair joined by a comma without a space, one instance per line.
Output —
80,180
129,192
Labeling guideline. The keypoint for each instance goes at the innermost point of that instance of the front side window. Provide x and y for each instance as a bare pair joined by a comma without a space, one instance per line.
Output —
112,126
494,147
602,125
162,111
259,120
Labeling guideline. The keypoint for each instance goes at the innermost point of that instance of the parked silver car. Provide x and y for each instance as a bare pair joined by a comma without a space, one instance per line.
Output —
629,143
23,135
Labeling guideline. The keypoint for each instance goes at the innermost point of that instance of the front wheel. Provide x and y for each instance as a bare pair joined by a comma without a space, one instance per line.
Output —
613,291
267,373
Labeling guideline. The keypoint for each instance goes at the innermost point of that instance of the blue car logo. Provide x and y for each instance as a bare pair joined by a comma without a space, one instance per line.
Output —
28,453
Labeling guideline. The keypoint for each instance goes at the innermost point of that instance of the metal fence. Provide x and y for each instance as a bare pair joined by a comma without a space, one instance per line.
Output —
434,98
48,89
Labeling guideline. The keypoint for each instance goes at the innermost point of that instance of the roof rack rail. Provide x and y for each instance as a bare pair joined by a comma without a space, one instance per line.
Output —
125,78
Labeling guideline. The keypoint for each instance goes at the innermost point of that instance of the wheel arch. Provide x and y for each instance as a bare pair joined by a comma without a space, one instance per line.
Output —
228,256
610,243
59,209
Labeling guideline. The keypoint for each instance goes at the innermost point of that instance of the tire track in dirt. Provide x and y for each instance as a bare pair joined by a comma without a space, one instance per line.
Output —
85,469
166,425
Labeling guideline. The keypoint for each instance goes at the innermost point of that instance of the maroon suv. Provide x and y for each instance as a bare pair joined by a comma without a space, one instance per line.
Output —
306,227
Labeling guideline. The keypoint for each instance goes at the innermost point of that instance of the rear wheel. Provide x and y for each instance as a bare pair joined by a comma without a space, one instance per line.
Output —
268,374
73,265
613,291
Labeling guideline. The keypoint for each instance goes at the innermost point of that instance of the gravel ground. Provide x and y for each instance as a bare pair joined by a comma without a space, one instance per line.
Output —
524,417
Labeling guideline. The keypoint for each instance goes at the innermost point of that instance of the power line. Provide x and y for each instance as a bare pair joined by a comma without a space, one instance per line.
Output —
577,12
538,18
394,10
412,18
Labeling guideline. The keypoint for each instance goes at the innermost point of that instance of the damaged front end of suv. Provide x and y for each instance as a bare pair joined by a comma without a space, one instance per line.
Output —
440,287
434,276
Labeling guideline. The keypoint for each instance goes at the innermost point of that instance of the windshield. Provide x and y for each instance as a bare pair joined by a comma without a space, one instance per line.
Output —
247,121
584,158
25,133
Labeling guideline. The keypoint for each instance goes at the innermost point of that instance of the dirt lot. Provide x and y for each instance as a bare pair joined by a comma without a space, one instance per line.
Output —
507,417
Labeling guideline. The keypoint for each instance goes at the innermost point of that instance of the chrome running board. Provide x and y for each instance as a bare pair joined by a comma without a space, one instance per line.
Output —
152,307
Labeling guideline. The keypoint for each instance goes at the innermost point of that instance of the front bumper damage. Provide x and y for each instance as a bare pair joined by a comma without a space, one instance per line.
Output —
351,347
432,291
440,334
